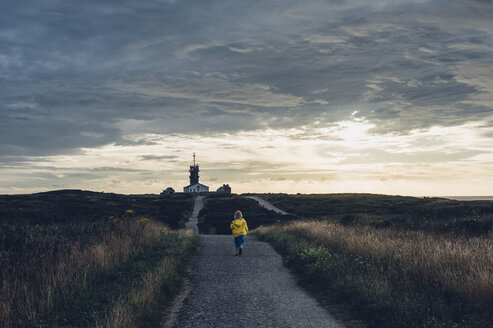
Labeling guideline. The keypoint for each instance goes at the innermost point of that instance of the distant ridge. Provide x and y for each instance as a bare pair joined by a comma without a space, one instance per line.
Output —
66,191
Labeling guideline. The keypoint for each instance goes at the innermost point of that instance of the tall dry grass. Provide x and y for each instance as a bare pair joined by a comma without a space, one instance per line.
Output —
460,265
140,300
39,264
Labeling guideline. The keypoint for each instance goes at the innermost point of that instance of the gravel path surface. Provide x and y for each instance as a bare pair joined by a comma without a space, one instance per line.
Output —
251,290
267,205
194,218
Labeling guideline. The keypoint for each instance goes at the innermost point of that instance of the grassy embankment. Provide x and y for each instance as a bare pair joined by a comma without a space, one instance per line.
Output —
219,209
411,213
120,271
413,272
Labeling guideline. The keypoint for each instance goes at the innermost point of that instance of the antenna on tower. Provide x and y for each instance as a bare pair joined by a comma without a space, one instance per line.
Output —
193,159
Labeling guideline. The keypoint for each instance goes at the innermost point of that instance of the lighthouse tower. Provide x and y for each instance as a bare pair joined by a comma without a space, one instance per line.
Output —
194,172
195,186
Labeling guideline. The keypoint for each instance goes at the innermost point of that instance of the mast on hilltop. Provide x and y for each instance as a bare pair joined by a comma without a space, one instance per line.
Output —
194,172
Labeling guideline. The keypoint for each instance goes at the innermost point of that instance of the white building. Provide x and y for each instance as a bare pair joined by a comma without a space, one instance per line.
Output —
198,187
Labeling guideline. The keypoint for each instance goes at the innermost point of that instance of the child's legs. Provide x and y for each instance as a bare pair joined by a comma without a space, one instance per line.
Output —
239,243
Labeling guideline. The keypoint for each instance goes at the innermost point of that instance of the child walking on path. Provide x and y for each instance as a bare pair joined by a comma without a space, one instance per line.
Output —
240,229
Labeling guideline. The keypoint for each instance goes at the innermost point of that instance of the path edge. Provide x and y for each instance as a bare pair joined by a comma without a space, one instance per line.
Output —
173,314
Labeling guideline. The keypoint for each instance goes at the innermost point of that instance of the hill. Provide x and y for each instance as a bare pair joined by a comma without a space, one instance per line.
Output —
436,214
73,258
64,206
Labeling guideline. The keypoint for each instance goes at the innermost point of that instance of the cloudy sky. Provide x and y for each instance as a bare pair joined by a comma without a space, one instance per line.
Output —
382,96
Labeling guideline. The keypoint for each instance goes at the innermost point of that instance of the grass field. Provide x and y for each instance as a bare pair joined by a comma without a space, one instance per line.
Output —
72,206
75,258
410,213
391,261
391,278
106,266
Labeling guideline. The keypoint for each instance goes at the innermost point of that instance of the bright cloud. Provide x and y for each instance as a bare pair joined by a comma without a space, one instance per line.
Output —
342,158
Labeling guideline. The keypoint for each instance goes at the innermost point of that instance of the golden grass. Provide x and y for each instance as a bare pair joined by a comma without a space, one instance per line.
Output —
45,267
127,309
449,263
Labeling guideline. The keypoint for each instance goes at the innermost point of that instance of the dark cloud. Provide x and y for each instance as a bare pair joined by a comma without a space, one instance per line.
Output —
86,74
155,157
106,169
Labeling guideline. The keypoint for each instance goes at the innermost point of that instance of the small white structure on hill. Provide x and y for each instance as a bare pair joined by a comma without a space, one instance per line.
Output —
195,186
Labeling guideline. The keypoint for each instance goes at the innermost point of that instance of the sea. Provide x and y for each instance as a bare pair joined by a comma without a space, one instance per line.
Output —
466,198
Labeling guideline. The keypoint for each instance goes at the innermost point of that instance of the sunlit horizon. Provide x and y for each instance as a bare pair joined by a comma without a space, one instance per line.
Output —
343,158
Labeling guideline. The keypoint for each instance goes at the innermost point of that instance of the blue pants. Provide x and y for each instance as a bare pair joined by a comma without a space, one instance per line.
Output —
239,241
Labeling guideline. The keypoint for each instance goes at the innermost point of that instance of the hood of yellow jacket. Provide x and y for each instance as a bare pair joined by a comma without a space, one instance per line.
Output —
237,222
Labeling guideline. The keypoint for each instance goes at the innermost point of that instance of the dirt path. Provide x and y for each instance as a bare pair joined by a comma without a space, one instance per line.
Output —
267,205
252,290
193,220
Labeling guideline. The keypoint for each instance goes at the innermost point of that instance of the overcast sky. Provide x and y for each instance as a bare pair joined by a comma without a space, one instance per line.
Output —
383,96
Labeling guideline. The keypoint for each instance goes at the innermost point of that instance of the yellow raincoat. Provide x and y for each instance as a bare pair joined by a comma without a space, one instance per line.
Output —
239,227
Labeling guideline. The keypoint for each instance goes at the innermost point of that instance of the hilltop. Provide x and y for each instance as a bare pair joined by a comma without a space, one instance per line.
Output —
423,213
381,211
71,205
